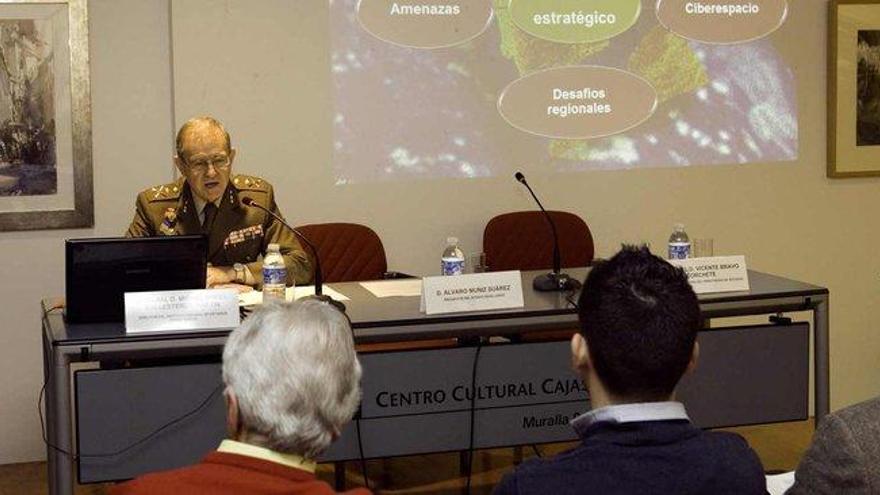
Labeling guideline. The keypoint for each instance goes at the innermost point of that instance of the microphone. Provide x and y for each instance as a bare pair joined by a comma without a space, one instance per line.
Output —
555,280
319,277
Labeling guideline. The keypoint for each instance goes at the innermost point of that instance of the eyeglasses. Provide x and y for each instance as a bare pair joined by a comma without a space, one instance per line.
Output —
201,165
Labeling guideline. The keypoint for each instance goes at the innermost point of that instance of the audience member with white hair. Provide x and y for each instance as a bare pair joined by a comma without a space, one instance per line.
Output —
844,456
292,382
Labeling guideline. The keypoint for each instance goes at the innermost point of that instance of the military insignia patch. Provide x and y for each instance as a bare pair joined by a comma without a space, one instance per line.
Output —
243,235
169,222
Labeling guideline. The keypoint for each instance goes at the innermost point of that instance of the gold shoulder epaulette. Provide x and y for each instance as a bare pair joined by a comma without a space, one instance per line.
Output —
164,192
249,183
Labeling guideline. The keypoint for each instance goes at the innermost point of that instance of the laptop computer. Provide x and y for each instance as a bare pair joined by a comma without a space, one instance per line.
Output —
98,272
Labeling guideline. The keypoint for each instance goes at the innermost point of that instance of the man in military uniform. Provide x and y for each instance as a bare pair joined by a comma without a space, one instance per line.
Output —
208,199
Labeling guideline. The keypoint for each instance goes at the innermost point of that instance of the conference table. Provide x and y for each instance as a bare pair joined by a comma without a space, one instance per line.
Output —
111,421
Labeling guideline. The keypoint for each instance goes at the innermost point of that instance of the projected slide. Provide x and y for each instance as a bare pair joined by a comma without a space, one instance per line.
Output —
476,88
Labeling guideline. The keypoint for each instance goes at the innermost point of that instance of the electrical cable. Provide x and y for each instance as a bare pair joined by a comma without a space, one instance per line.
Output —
569,297
470,468
125,449
363,459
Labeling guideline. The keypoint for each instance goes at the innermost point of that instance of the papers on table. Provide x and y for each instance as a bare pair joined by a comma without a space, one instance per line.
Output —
256,297
407,287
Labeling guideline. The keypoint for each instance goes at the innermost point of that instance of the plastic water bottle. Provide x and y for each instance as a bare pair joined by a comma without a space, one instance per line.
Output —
452,261
274,275
679,243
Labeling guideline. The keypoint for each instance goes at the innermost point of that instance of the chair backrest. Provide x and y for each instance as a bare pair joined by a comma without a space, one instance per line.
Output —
348,251
523,240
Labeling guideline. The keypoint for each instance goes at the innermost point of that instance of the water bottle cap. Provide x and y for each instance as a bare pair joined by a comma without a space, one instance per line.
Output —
452,241
679,227
274,247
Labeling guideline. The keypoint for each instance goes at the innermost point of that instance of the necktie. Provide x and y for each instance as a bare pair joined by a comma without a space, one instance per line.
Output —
210,212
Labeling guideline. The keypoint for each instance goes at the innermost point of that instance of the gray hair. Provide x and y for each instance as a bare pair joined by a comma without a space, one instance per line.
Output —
295,373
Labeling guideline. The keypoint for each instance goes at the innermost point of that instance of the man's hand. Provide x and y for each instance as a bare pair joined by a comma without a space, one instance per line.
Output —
219,275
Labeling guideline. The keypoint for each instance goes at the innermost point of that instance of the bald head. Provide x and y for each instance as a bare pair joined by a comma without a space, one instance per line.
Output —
199,128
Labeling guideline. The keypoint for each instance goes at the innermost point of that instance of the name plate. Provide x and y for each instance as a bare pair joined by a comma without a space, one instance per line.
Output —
716,274
472,292
172,310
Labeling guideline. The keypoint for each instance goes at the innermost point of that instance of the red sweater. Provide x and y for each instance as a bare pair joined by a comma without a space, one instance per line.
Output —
221,473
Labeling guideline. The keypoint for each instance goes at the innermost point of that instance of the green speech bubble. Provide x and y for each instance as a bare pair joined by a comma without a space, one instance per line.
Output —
575,21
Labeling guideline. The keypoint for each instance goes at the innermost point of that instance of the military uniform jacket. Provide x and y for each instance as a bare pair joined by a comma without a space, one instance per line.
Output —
240,234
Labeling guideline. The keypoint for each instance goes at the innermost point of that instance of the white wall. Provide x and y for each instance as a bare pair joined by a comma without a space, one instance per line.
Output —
261,67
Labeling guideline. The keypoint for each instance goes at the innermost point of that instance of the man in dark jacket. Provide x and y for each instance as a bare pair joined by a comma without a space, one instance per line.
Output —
208,199
639,319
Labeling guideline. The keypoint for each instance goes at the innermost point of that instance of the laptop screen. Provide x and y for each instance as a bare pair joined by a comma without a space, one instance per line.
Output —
100,271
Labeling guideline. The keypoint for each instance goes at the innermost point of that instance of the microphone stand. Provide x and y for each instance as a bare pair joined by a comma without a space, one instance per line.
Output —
319,276
555,280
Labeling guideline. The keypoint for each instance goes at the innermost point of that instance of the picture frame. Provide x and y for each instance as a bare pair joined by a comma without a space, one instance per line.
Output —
853,88
45,116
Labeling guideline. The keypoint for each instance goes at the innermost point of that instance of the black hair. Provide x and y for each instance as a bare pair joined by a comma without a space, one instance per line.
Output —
640,318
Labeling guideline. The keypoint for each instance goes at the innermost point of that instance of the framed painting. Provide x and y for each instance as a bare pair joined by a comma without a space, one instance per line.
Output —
854,88
45,115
